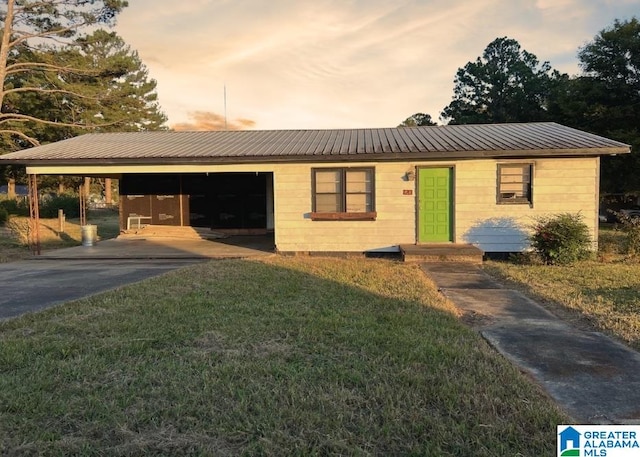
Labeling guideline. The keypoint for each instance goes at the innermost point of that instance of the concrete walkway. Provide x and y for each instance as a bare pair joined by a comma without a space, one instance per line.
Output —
594,378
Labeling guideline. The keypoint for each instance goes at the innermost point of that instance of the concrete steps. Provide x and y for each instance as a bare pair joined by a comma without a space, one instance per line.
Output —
430,253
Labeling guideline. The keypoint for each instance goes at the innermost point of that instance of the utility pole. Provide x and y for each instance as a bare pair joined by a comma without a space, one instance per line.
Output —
225,106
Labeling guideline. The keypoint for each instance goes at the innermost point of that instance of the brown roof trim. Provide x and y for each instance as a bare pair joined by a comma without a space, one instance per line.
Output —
380,157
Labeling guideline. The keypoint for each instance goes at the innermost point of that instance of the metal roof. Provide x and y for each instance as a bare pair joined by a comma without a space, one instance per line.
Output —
425,143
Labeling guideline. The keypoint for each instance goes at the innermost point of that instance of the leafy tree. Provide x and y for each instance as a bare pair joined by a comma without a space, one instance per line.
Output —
614,56
575,101
606,99
417,120
505,84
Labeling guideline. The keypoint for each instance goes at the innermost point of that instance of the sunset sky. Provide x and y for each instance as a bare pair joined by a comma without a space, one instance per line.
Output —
298,64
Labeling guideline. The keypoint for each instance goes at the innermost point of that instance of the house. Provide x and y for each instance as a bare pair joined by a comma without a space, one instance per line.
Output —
357,190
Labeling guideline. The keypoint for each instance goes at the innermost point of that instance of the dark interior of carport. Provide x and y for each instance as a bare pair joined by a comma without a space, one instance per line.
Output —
220,201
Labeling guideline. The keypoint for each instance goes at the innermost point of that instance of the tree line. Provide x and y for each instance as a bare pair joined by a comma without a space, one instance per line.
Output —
510,84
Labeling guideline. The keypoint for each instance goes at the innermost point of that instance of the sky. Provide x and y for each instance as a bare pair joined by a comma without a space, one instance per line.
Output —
324,64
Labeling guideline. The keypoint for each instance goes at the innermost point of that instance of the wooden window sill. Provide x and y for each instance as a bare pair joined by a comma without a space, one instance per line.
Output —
514,202
369,216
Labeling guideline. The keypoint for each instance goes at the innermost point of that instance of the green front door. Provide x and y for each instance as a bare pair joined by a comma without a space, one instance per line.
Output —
435,205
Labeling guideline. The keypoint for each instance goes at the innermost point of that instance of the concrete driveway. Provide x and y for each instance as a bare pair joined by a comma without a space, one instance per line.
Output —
29,285
63,275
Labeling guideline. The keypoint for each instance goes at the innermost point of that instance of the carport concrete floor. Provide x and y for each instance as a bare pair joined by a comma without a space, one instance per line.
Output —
593,378
140,247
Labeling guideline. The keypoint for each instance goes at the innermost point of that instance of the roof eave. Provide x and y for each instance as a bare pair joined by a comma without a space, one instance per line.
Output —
381,157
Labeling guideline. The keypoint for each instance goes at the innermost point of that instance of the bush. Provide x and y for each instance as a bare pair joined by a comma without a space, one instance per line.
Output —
561,239
4,216
631,228
15,207
68,203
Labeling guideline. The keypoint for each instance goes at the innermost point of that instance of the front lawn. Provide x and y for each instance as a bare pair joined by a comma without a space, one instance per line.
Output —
284,356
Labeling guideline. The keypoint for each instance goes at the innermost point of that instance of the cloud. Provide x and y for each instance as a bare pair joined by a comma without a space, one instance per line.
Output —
203,121
336,63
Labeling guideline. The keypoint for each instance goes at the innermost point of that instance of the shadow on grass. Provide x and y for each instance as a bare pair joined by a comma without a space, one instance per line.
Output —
62,236
276,357
623,299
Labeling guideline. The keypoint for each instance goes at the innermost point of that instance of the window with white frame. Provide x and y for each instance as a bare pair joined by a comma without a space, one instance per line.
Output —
514,183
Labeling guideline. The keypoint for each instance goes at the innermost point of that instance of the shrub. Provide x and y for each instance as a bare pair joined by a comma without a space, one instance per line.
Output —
15,207
631,227
4,216
561,239
68,203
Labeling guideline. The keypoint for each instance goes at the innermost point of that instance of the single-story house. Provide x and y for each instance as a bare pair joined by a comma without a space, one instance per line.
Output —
355,190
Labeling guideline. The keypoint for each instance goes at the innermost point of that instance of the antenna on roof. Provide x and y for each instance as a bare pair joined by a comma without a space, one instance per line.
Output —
225,106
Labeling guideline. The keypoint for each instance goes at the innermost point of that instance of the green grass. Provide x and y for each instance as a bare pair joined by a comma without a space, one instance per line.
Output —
14,236
10,247
286,356
611,243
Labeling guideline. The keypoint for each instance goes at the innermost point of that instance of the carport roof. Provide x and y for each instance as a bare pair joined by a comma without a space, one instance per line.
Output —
426,143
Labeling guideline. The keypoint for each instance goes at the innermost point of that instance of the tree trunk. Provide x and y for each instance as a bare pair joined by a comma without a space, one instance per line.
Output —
11,188
4,46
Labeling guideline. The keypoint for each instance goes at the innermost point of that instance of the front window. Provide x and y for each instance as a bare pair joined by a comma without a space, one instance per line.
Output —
343,193
514,183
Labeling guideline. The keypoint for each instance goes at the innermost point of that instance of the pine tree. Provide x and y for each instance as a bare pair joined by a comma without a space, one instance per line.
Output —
506,84
37,68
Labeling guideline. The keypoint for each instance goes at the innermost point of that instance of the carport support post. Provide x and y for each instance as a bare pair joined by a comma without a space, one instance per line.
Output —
83,205
34,216
107,191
